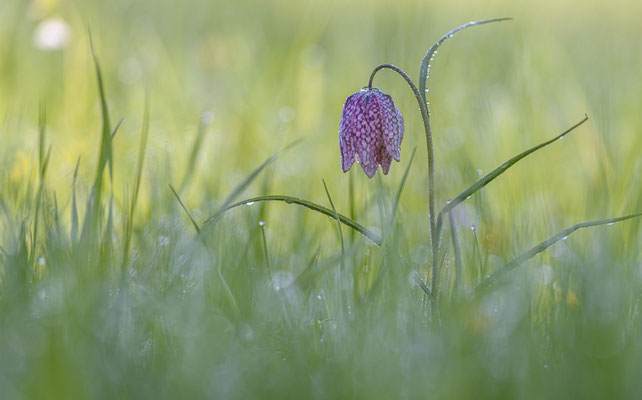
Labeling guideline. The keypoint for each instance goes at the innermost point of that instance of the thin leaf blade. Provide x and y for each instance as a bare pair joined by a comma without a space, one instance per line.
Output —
475,187
532,252
425,62
373,237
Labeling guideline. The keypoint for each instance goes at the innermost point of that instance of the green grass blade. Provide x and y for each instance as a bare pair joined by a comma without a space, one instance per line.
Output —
139,172
226,287
373,237
459,262
191,162
421,284
106,243
265,249
42,123
73,233
401,184
90,225
244,184
490,280
43,161
106,135
178,198
352,209
495,173
424,69
336,217
113,133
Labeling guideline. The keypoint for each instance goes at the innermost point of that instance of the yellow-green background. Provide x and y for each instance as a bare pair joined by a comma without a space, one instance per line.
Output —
274,71
495,90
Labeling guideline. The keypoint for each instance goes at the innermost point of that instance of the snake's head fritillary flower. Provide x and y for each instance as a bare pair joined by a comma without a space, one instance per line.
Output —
372,128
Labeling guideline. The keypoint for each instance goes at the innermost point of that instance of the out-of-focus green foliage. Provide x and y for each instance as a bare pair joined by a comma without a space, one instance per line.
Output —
264,303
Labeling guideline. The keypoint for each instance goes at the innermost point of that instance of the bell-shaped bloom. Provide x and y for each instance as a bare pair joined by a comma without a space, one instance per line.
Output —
372,128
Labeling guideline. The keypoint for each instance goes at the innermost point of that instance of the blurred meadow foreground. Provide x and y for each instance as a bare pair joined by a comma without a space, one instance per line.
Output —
108,291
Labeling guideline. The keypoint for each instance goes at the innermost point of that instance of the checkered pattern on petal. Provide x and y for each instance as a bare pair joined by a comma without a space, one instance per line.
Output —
372,128
393,127
384,160
350,123
367,141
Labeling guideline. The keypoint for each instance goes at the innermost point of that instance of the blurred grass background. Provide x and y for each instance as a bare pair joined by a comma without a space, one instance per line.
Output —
258,75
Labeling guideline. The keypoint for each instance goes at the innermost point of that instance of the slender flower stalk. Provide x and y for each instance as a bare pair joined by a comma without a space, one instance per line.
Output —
423,109
362,131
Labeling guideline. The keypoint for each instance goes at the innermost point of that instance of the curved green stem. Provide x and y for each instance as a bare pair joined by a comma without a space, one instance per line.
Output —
431,159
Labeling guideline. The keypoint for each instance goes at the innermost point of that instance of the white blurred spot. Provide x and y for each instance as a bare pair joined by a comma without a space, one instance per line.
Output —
41,261
207,117
163,241
543,274
52,34
286,114
281,280
130,71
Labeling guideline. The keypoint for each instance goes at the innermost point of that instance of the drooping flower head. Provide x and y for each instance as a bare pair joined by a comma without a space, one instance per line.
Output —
372,128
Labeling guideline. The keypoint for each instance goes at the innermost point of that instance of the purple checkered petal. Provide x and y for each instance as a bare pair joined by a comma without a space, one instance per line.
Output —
372,128
384,160
393,127
348,126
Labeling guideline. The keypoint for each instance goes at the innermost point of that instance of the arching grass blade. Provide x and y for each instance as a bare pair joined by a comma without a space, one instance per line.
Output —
373,237
490,280
497,172
244,184
424,69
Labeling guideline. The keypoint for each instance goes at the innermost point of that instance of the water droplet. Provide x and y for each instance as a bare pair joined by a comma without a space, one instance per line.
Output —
610,223
261,223
249,203
286,114
472,228
207,117
565,237
163,241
